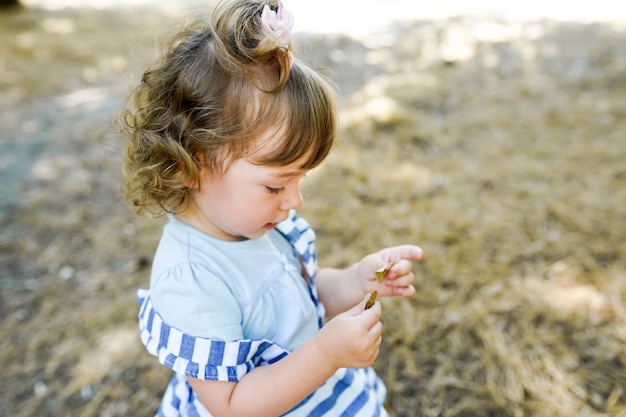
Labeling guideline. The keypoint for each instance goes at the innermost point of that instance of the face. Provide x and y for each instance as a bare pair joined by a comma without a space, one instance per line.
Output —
245,201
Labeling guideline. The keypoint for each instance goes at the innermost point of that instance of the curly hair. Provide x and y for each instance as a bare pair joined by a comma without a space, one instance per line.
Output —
218,87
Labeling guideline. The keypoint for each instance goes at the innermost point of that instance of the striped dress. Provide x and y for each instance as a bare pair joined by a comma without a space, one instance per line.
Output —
349,392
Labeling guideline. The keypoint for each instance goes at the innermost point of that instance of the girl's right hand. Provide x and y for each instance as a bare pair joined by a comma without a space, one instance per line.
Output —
352,339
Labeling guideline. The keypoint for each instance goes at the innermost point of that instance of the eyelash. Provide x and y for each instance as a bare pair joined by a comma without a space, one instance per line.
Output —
275,190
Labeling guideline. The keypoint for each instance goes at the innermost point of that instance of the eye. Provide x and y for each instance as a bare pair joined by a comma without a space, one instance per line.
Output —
272,190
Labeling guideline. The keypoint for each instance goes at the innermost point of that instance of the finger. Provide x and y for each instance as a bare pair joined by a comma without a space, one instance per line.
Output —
400,280
371,316
400,269
359,307
406,292
405,252
376,331
373,332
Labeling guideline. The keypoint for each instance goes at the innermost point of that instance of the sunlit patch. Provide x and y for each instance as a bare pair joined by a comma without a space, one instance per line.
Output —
89,97
569,296
58,25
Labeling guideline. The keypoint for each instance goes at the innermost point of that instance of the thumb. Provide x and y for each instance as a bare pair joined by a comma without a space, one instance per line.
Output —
359,307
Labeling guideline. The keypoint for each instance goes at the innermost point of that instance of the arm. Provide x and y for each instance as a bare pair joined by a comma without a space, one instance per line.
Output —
339,289
351,339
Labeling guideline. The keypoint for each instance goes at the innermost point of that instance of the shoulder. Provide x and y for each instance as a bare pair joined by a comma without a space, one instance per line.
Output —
197,301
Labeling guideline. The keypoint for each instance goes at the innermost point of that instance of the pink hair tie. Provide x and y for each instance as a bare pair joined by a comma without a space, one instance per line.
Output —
277,24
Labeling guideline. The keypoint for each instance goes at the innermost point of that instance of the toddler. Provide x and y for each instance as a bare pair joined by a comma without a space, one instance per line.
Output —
222,130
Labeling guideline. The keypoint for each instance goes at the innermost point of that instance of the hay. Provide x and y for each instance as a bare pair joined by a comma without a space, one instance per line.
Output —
502,156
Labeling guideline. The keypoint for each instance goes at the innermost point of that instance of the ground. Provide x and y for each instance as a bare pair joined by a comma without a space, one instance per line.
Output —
497,145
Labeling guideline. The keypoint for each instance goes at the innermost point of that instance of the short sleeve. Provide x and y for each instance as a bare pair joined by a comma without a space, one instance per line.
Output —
198,357
195,300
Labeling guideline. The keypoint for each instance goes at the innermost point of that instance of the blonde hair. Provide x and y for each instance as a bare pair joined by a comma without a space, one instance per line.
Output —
217,89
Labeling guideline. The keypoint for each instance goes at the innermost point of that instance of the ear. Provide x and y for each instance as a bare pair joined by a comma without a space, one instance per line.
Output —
200,168
189,182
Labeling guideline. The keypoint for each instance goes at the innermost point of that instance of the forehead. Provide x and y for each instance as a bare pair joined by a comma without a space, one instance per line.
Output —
245,168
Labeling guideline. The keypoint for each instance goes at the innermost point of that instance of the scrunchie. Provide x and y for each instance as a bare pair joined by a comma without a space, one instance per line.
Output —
277,24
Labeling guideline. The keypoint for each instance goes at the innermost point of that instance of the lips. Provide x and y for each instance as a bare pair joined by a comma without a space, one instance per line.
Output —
269,226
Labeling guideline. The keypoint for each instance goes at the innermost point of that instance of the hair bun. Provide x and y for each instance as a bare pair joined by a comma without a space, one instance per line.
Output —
252,31
254,34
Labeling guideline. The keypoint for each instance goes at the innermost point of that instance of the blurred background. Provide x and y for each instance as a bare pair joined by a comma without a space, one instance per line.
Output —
492,135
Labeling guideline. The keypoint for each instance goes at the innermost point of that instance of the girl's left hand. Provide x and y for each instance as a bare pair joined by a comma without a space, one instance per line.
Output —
394,266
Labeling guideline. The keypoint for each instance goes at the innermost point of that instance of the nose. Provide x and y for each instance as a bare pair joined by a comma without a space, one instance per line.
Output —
293,199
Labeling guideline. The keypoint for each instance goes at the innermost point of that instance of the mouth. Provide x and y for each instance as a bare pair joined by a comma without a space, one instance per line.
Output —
270,226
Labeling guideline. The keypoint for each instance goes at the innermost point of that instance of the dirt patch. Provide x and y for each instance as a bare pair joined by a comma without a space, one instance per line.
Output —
497,146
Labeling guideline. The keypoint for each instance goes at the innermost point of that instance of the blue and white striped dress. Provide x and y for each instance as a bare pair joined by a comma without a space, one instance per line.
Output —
349,392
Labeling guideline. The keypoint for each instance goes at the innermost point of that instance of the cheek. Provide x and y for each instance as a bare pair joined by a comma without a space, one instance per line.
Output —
252,203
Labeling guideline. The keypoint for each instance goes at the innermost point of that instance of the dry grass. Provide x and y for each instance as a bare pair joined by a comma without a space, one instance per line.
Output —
502,156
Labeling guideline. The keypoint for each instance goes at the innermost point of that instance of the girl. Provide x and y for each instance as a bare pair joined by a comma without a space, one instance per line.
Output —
222,130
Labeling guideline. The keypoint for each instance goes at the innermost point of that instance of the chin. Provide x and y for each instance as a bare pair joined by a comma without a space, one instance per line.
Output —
255,235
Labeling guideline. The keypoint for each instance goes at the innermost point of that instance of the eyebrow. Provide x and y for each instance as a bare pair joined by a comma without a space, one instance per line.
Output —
286,174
